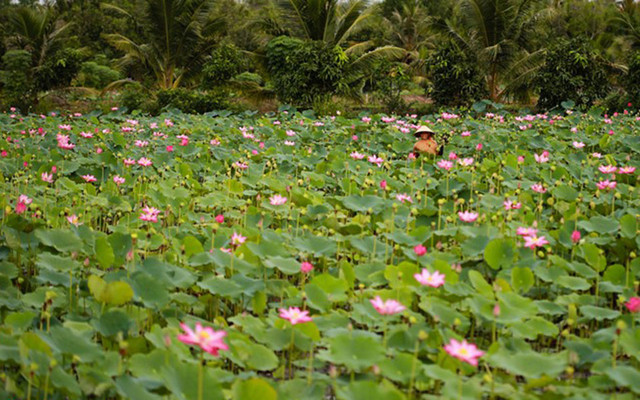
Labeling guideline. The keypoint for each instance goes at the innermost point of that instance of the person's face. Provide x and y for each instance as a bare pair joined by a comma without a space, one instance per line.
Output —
424,136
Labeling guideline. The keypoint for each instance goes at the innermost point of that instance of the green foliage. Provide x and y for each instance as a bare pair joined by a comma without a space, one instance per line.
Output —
304,72
389,79
58,70
632,79
17,83
572,71
96,76
455,77
226,61
191,101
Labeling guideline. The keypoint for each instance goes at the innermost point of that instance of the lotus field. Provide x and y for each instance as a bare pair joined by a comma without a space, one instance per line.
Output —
292,257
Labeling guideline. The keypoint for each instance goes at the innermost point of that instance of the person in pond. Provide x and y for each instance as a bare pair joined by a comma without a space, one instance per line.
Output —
427,143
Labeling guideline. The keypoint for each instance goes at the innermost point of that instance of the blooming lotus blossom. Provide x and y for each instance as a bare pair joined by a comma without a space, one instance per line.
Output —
467,216
289,132
375,160
426,278
525,232
596,155
214,142
225,250
366,120
73,220
445,164
420,250
607,169
383,184
289,143
534,241
141,143
306,267
277,200
46,177
240,165
633,305
207,339
465,162
145,162
87,135
118,180
606,185
537,187
89,178
509,205
626,170
402,197
578,145
129,161
479,146
63,142
542,158
149,214
184,139
21,204
575,236
411,156
520,159
465,134
453,156
295,315
25,199
220,219
356,156
464,351
388,307
237,239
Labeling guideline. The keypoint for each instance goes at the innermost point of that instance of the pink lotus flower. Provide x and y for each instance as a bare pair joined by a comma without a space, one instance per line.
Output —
388,307
534,241
141,143
73,220
453,156
289,143
277,200
169,149
375,160
525,232
87,135
575,236
426,278
578,145
401,197
465,162
445,164
383,184
149,214
509,205
607,169
596,155
21,205
633,305
537,187
464,351
467,216
306,267
366,120
420,250
240,165
220,219
606,185
237,239
289,132
479,146
465,134
411,156
46,177
145,162
207,339
520,159
129,161
184,139
294,315
626,170
25,199
542,158
354,137
118,180
356,156
89,178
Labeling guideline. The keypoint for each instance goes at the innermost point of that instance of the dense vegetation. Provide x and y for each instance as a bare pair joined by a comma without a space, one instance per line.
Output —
394,55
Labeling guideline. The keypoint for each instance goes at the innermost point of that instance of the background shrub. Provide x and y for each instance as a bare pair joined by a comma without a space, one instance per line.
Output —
17,84
572,71
304,72
455,77
191,101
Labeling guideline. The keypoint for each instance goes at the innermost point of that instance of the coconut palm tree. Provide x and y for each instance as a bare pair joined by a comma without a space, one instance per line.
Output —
177,36
500,33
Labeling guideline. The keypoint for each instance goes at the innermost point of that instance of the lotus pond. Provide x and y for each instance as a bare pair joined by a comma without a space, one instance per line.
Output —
292,257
